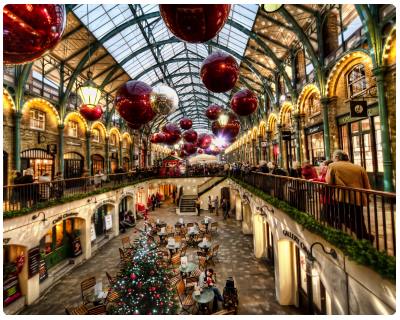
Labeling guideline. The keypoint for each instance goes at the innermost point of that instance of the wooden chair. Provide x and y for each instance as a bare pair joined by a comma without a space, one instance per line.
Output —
178,238
79,310
124,258
112,297
202,263
87,285
183,250
213,254
183,232
214,227
101,309
190,283
126,242
175,279
176,259
224,312
186,300
190,224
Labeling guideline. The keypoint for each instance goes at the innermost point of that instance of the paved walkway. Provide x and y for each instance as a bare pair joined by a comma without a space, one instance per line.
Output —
253,278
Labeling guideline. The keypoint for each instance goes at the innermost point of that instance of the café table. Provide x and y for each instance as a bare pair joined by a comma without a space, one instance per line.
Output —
162,235
173,249
205,297
97,299
188,268
206,223
160,224
205,246
179,225
192,234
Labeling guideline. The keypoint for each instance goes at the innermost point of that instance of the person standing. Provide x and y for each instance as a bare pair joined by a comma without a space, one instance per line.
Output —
58,185
198,206
308,171
210,208
349,205
225,208
216,205
153,202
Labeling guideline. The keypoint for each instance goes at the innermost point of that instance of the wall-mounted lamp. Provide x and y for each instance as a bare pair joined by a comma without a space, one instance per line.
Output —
34,217
310,256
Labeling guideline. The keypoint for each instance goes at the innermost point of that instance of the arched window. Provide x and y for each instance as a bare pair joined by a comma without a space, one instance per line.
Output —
96,135
356,81
313,104
113,140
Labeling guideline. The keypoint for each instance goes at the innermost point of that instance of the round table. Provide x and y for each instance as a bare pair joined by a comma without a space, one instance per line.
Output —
205,246
95,299
161,235
173,249
206,224
190,267
191,235
205,297
161,224
178,224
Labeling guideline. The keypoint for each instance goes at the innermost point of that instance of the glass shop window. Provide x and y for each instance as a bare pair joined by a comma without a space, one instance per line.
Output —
316,152
57,236
96,135
37,120
356,81
314,105
73,129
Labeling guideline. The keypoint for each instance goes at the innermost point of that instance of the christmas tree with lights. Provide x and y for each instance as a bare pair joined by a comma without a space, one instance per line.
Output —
142,285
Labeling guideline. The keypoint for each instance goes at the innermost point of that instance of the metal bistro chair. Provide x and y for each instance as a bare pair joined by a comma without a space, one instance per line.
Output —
87,285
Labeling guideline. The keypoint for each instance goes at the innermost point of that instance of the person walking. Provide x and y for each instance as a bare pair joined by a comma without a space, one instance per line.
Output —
325,197
216,204
153,202
348,204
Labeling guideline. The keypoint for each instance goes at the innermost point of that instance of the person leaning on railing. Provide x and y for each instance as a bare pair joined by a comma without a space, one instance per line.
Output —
349,204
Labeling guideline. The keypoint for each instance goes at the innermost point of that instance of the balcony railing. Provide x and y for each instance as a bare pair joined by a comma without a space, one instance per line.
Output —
361,213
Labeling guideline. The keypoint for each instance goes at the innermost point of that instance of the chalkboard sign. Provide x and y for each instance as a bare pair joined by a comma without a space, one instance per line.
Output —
76,247
42,270
33,261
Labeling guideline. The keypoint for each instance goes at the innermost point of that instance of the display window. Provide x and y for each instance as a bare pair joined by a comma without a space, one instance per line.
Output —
315,147
97,163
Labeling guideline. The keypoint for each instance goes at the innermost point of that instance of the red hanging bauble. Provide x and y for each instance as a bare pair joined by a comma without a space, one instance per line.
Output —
91,113
204,140
172,153
219,72
244,102
195,23
29,30
153,138
229,129
213,112
161,137
190,148
186,123
200,151
190,136
132,101
172,133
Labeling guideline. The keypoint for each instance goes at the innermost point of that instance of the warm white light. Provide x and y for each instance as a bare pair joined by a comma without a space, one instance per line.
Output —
219,141
271,7
223,119
89,92
282,98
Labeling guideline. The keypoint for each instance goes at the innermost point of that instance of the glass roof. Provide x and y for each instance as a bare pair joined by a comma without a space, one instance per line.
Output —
175,63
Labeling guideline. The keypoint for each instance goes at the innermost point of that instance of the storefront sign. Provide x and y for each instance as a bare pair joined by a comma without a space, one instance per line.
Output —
33,261
108,221
358,109
72,143
43,270
313,129
296,239
64,216
77,247
286,135
92,232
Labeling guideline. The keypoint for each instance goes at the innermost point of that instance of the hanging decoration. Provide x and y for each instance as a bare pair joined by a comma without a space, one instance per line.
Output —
133,102
204,140
219,72
244,102
30,30
91,113
227,126
183,154
213,112
164,99
172,133
200,151
190,148
186,123
195,23
190,136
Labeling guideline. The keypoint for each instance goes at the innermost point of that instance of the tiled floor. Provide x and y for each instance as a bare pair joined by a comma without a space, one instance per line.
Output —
253,278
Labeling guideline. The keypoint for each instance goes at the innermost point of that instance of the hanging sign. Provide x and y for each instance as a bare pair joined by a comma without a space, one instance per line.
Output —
92,233
358,109
108,221
33,261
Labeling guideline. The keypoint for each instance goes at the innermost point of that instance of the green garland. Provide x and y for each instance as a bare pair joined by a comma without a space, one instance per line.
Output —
360,251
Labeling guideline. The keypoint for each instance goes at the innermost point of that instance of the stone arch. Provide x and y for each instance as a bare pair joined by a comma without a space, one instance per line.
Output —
247,221
389,50
307,91
272,122
76,116
8,101
285,114
111,205
259,236
99,125
115,131
345,62
254,133
126,137
262,128
43,104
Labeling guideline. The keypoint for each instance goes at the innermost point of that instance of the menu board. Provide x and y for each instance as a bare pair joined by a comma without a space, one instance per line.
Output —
42,270
33,261
76,247
92,232
108,221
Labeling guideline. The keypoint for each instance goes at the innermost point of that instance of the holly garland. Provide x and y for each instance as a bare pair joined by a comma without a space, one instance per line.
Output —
143,286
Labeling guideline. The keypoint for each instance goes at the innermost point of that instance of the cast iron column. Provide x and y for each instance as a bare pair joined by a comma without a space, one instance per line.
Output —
325,113
17,140
61,148
88,160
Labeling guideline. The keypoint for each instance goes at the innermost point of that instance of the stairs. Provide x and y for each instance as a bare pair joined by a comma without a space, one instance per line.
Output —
209,184
187,205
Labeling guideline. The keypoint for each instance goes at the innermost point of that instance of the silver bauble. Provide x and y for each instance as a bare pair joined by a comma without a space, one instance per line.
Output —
164,99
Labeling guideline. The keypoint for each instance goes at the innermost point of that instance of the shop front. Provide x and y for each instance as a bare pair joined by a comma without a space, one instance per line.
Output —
114,161
126,164
73,165
101,223
289,145
360,138
39,160
315,150
97,164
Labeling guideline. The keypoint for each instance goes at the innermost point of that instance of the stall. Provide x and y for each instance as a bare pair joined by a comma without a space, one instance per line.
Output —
171,166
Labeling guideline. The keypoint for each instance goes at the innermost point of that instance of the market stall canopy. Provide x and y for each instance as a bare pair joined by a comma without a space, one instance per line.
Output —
203,158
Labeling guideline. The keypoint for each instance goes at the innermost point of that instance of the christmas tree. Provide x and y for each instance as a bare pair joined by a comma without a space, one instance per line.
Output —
142,285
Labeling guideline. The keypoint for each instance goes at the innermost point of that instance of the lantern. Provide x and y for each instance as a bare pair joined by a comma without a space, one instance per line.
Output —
164,99
89,93
189,148
195,23
244,102
213,112
190,136
30,30
186,123
91,113
219,72
132,102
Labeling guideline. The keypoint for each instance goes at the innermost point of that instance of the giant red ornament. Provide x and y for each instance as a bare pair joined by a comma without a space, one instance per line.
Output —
190,136
91,113
183,153
132,101
153,138
186,123
200,151
244,102
29,30
213,112
189,148
229,130
219,72
195,23
204,140
172,133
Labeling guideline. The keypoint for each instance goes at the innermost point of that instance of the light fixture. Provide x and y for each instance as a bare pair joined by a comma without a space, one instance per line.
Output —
223,119
269,7
269,209
282,98
310,257
34,217
89,92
